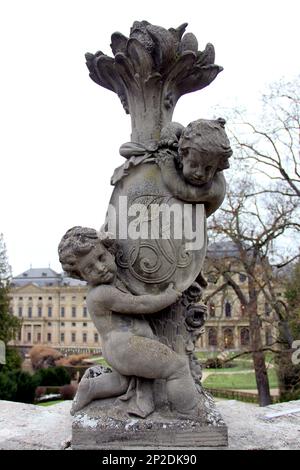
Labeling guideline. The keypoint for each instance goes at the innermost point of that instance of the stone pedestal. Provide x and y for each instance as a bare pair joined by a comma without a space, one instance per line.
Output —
105,425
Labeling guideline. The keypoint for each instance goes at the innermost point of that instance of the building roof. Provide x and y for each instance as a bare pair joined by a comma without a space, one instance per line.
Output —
224,249
44,277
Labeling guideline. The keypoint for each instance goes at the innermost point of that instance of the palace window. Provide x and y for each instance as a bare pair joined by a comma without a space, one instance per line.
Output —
84,337
39,312
228,338
39,337
49,311
96,337
62,311
245,337
73,336
212,336
227,309
49,337
62,337
73,312
84,311
20,311
29,312
29,337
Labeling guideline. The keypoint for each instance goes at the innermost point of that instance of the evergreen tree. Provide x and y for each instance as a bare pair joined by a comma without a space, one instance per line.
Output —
9,324
292,295
289,373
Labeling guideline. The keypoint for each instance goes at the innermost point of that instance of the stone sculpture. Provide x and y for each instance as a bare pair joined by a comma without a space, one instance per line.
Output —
144,266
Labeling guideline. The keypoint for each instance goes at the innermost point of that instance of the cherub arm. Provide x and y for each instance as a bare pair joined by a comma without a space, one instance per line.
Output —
212,194
108,297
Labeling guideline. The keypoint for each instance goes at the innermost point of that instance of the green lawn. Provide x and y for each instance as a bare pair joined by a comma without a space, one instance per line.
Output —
101,361
238,381
49,403
221,378
236,368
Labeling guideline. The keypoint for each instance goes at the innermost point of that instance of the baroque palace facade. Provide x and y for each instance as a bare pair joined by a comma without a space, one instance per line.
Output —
53,311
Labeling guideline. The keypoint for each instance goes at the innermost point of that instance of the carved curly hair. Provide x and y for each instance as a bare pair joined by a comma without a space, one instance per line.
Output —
79,241
207,136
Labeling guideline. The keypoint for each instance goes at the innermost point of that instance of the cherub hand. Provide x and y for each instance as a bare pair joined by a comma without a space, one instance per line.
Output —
171,142
173,292
165,160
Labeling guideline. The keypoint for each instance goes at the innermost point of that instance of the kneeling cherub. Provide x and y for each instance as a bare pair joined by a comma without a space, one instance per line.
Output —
128,343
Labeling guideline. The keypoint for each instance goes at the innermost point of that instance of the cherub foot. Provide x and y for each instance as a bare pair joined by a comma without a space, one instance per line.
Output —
83,396
196,413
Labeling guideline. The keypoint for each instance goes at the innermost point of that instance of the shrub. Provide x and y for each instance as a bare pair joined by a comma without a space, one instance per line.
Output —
52,376
67,392
17,386
44,356
26,385
13,360
40,391
213,363
217,363
8,386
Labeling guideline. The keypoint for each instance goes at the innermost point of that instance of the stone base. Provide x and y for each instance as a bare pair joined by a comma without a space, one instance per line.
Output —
104,425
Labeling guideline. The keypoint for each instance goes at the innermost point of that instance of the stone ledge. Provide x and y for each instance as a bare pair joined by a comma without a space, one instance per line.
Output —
104,432
25,426
105,424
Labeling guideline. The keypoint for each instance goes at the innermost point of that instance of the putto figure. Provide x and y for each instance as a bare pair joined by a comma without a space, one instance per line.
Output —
194,172
128,343
144,290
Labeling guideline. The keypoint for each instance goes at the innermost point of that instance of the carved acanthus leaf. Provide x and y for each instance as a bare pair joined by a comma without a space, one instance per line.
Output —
151,70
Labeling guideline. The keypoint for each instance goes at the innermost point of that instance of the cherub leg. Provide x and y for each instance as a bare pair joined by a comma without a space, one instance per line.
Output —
106,385
148,358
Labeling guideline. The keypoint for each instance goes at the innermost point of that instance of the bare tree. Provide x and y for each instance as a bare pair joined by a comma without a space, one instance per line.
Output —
253,226
272,142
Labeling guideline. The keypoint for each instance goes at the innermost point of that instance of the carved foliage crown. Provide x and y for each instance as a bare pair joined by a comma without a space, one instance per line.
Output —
165,62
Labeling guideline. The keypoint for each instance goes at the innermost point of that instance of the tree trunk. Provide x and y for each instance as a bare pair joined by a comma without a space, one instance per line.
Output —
260,369
287,372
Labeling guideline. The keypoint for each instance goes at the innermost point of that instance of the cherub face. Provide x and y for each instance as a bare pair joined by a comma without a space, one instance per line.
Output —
198,167
98,266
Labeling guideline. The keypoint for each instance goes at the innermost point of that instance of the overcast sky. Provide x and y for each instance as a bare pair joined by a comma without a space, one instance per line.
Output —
60,132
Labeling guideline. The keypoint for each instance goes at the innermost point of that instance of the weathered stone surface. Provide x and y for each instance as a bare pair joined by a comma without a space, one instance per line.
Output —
148,265
104,425
145,274
249,426
24,426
